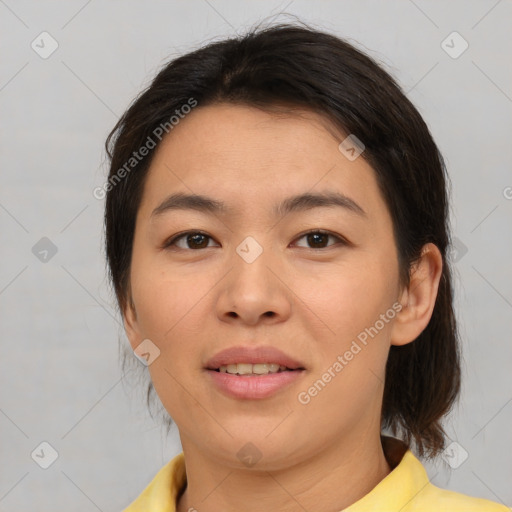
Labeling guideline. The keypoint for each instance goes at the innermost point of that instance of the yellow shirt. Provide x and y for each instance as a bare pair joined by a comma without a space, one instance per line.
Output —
405,489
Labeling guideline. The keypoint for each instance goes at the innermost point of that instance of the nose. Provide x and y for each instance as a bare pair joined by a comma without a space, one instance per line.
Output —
254,292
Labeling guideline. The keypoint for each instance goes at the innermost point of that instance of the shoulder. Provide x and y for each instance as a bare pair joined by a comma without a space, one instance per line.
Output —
161,493
426,496
409,489
443,500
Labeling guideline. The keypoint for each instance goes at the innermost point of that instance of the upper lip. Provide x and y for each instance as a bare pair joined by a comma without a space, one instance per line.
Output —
252,355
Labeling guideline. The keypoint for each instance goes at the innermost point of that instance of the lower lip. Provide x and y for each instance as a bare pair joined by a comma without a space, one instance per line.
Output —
253,387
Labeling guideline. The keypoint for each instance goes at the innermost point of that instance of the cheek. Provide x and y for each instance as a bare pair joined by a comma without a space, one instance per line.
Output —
353,350
348,381
158,294
165,305
171,314
348,298
173,306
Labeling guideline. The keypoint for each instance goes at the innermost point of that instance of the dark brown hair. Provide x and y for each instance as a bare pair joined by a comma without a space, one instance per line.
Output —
293,64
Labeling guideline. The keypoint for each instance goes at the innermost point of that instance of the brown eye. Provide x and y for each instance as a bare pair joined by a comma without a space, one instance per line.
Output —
191,240
319,239
194,240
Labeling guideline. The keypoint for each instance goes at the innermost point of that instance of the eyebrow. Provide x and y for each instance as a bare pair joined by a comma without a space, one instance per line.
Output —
301,202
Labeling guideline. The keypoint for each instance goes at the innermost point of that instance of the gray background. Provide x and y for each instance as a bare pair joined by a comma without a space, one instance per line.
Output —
61,379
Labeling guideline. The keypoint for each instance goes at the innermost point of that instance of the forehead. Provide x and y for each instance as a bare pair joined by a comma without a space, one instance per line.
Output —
243,155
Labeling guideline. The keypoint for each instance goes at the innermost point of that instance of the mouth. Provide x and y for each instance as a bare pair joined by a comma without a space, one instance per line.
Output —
260,360
250,373
254,386
254,369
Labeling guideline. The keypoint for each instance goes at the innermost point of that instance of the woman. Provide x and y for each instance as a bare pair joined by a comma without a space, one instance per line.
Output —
276,234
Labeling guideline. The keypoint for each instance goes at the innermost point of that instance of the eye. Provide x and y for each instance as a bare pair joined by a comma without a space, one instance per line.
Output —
192,240
318,239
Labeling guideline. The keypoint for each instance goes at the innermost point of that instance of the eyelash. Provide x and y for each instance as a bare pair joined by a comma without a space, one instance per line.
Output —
172,241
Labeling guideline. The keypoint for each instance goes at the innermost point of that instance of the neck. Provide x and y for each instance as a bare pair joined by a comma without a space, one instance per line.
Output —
329,480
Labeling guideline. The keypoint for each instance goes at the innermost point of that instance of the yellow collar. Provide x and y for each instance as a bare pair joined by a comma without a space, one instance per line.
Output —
405,489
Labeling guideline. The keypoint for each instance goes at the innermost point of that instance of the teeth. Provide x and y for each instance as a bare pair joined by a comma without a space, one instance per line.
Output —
252,369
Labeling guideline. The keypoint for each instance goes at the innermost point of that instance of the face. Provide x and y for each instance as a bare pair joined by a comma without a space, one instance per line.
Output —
316,280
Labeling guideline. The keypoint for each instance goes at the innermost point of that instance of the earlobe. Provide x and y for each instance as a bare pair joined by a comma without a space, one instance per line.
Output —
419,298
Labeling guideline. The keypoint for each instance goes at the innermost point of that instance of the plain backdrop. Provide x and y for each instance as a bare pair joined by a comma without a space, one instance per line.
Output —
60,375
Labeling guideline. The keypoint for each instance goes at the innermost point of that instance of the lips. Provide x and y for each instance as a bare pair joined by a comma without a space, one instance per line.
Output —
253,355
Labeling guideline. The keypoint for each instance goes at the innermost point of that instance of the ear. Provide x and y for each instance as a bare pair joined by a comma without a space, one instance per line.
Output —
419,298
131,325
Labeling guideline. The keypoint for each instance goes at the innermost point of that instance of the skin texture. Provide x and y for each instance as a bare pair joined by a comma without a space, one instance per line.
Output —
193,302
